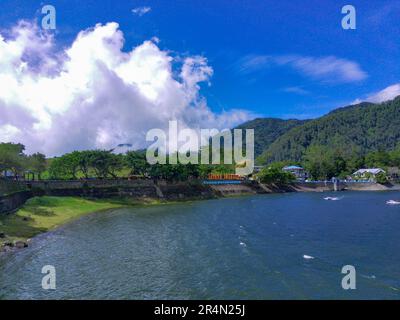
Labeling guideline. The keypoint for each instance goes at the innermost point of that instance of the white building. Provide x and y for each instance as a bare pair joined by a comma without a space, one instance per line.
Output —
369,174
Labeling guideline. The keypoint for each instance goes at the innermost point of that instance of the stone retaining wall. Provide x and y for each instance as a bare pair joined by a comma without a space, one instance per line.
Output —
8,186
12,202
144,188
90,183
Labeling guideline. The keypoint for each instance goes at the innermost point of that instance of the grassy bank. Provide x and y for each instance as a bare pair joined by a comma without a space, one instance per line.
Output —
42,214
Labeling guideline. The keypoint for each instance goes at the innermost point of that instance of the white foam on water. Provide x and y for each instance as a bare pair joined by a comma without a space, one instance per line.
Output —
307,257
332,198
369,277
393,202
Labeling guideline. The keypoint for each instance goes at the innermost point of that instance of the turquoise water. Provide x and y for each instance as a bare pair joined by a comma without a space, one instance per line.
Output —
239,248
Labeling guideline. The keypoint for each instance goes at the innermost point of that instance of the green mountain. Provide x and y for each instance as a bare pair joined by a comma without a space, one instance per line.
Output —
267,130
360,128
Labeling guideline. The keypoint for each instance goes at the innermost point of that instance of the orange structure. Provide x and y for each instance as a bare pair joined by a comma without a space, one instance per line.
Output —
224,176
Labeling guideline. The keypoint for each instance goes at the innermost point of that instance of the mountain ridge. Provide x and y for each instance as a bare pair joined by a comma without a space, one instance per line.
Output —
360,128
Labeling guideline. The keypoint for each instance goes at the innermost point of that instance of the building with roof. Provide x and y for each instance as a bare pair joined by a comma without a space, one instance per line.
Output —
368,174
297,171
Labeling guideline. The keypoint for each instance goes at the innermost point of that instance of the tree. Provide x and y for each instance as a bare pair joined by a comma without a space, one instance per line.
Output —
275,174
174,172
204,170
64,167
223,169
84,161
57,169
137,162
318,161
395,157
377,159
354,162
37,164
381,178
105,163
12,157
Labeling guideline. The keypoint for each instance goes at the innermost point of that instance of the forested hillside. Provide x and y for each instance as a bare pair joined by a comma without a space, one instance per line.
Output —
267,130
358,129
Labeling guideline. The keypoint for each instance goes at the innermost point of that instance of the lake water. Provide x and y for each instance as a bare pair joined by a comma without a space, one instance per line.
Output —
238,248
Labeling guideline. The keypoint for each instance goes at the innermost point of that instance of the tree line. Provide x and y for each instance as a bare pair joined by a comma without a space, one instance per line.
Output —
323,163
100,164
16,162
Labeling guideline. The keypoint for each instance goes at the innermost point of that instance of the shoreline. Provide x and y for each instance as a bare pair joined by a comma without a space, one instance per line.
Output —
36,205
42,214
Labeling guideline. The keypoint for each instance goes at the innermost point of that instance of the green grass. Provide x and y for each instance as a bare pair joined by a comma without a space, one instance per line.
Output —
42,214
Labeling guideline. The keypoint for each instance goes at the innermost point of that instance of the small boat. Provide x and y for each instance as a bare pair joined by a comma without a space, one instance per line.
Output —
393,202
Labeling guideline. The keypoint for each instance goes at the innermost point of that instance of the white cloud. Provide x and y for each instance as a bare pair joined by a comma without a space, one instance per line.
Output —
140,11
93,94
8,132
386,94
327,69
296,90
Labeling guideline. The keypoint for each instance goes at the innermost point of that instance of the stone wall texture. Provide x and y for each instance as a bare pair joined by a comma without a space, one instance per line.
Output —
14,201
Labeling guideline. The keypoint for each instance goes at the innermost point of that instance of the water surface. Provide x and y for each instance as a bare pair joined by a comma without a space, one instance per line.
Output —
239,248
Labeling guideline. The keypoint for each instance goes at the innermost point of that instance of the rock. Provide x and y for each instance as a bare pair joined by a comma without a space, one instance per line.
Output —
2,235
7,249
21,244
8,244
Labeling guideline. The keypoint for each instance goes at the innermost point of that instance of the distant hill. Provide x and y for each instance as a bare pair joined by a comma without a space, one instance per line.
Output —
363,127
267,130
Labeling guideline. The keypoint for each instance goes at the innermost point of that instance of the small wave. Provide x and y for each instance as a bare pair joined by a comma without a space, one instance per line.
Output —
307,257
369,277
332,198
243,244
393,202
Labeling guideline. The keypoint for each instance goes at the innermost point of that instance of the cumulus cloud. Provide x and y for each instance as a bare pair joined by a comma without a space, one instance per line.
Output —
386,94
327,69
140,11
93,94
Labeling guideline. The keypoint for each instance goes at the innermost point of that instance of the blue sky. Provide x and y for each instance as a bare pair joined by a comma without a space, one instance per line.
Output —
229,33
